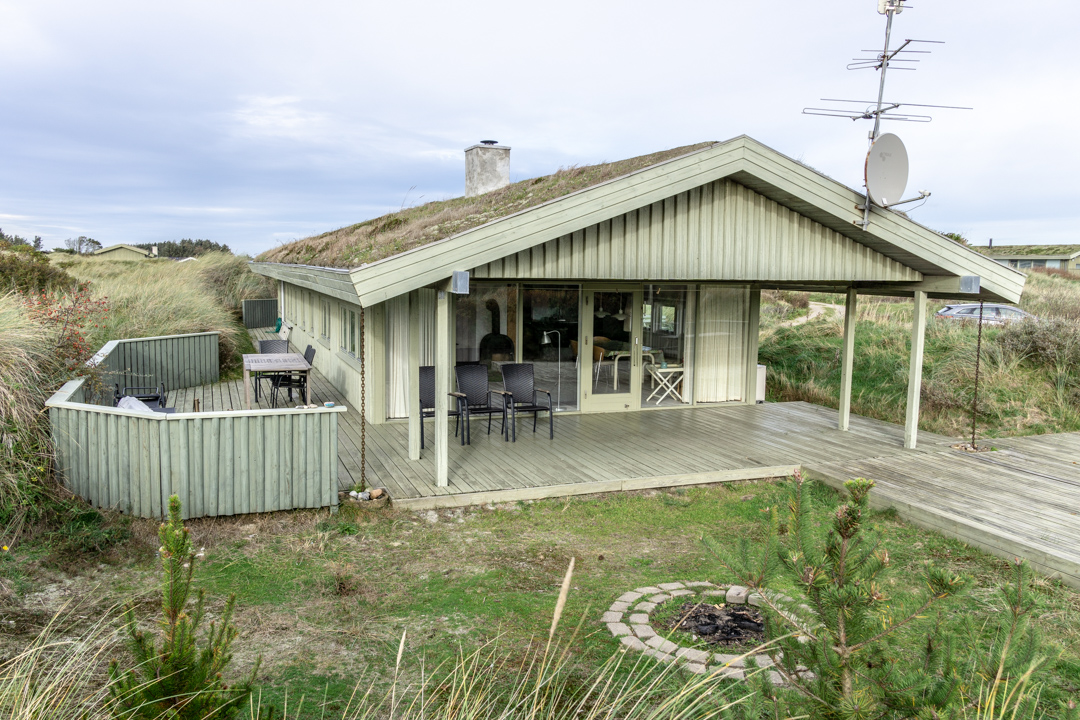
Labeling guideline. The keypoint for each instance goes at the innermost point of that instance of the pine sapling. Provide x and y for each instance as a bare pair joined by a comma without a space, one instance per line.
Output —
838,652
176,678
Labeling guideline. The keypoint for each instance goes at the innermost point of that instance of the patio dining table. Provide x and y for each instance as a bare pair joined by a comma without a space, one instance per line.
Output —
268,363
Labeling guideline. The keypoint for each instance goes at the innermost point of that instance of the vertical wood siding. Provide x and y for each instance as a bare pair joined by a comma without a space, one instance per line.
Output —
260,313
719,231
177,361
245,463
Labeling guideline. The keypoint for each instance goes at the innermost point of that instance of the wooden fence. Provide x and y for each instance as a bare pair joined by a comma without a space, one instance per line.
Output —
176,361
219,463
260,313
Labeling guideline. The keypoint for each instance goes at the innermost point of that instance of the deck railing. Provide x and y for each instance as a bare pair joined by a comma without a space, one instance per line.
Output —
176,361
219,463
260,313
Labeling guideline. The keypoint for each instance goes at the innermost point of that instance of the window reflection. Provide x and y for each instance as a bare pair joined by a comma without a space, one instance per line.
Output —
549,340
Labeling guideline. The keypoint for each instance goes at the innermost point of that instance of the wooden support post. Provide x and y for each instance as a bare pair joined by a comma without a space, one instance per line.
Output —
753,328
374,358
416,425
442,387
850,313
918,340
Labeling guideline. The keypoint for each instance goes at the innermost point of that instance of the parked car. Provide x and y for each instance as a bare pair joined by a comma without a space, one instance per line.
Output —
992,313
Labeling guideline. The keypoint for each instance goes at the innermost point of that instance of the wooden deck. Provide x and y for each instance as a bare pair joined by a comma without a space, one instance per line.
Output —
1021,500
599,453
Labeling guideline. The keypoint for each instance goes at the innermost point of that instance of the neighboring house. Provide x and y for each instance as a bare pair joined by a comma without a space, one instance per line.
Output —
125,252
609,279
1027,257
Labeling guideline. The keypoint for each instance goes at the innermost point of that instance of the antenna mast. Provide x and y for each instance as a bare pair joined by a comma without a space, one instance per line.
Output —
881,109
890,8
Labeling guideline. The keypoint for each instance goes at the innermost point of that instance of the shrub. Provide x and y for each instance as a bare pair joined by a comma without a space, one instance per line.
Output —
26,270
176,678
1052,342
84,530
70,315
800,300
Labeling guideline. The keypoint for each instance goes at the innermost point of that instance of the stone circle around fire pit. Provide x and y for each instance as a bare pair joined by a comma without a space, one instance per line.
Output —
628,619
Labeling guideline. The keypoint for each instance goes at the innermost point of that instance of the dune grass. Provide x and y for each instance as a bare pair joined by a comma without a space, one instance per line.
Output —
160,297
29,370
1021,391
60,675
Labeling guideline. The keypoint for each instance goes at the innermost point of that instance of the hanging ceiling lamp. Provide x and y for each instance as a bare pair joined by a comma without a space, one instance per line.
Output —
620,316
600,311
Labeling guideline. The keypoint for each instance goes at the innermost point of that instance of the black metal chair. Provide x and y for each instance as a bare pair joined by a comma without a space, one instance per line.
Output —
472,383
275,346
521,395
293,381
427,404
148,395
154,398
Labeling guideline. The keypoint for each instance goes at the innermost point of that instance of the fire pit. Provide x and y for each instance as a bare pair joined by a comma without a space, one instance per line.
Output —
729,612
720,624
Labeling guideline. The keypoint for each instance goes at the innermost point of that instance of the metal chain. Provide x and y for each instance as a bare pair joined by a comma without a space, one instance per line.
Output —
975,398
363,405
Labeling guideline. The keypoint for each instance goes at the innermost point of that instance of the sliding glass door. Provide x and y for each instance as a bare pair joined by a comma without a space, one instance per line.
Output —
610,350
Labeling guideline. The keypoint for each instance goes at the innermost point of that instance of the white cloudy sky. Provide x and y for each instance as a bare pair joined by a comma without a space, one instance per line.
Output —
253,123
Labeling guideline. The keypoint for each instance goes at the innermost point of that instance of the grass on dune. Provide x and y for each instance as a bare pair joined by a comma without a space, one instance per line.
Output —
160,297
1020,392
29,371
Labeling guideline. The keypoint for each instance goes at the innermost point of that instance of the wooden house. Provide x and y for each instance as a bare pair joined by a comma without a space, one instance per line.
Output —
124,252
630,286
1036,257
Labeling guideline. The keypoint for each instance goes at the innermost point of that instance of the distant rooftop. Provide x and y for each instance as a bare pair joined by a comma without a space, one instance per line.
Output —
391,234
1063,251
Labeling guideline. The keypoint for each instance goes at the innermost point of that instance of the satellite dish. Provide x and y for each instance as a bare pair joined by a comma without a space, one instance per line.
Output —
886,170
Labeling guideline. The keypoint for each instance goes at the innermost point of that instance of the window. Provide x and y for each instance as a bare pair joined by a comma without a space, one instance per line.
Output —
352,333
344,328
325,319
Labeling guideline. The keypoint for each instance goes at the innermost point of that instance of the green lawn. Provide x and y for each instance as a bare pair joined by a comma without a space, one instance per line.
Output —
325,599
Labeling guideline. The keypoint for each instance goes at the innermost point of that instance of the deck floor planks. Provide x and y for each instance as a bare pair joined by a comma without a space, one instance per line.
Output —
1025,494
1015,501
981,503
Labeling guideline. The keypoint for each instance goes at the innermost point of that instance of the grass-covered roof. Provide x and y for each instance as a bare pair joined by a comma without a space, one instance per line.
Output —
385,236
1049,250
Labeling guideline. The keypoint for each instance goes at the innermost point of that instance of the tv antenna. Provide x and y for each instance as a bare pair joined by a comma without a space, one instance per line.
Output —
886,167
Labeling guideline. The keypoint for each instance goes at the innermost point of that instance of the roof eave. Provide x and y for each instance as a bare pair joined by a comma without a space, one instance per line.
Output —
783,179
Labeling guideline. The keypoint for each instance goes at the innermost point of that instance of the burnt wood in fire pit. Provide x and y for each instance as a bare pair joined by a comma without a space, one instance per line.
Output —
721,624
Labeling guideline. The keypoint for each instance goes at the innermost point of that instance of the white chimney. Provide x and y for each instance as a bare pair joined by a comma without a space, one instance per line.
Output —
153,251
487,167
